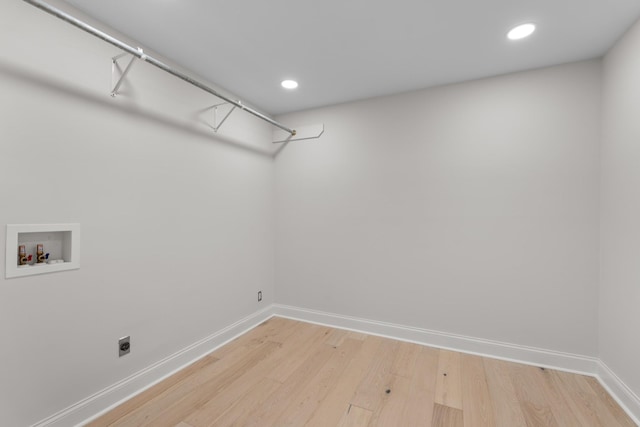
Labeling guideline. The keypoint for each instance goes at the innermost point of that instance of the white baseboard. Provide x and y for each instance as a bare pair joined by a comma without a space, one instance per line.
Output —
494,349
626,398
105,400
584,365
101,402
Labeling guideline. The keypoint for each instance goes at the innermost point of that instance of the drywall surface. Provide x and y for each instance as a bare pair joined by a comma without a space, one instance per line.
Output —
177,224
619,316
467,209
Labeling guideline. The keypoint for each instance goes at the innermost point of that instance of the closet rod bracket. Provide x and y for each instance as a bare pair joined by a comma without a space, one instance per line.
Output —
117,74
217,125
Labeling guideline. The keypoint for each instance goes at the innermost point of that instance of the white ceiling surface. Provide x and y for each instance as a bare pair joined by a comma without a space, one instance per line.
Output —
343,50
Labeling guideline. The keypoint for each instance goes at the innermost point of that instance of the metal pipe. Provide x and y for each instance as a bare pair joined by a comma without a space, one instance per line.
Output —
159,64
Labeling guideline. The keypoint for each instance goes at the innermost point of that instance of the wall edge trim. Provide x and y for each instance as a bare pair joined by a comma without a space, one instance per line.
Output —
108,398
621,393
101,402
578,364
568,362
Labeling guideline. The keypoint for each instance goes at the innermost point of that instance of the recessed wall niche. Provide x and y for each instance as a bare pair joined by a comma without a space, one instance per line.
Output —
59,244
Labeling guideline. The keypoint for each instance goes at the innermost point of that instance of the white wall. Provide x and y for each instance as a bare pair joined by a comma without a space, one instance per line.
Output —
619,318
177,225
468,209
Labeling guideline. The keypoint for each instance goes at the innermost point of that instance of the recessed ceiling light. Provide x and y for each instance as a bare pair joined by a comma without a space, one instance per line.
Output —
521,31
289,84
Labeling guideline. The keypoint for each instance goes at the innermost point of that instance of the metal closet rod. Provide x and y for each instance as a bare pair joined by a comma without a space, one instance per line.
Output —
137,52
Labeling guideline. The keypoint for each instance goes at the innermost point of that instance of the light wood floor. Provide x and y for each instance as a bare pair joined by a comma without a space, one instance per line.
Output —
288,373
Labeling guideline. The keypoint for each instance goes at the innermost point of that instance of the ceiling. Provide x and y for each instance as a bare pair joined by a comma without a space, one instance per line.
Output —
344,50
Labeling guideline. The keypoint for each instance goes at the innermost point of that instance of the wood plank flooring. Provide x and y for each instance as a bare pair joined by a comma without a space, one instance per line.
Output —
289,373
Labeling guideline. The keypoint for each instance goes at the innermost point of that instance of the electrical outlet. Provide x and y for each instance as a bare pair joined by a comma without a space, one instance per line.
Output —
259,296
124,345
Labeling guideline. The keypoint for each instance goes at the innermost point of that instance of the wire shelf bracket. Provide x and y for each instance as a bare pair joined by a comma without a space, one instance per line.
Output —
218,124
117,73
